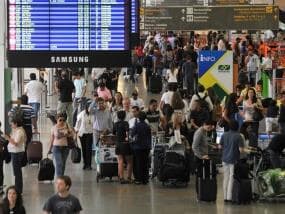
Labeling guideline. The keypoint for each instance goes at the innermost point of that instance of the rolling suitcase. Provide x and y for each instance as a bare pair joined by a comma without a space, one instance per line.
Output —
242,188
206,183
155,83
174,167
242,191
47,170
35,151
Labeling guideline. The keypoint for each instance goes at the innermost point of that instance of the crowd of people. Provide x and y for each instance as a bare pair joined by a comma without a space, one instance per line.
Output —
186,109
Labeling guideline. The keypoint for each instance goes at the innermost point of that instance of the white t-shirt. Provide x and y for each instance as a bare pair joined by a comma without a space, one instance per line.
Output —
79,86
267,63
172,77
138,102
34,90
166,97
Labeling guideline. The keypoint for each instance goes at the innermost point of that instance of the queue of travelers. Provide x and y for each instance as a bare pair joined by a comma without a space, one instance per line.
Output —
185,107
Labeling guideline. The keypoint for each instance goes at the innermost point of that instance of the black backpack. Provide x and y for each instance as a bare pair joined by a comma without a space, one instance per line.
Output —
203,103
147,62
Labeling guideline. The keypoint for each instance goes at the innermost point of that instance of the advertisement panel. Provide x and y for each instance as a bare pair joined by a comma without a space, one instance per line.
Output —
216,71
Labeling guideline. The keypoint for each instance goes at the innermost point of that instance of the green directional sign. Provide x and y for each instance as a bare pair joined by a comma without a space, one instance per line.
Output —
204,18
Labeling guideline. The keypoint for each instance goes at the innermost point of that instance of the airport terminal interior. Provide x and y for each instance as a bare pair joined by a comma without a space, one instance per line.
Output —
158,50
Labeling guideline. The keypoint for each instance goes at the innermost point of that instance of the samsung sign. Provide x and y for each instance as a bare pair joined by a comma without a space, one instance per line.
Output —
69,59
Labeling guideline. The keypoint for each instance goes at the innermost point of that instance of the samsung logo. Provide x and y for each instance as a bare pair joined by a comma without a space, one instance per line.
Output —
69,59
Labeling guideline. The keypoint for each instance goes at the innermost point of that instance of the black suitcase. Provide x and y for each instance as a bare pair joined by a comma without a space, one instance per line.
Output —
158,155
47,170
76,155
242,191
206,183
155,83
174,168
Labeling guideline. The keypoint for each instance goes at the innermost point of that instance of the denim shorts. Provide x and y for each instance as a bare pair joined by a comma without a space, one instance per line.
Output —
36,108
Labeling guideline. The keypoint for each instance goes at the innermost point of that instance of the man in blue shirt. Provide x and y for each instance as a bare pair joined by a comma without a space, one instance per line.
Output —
232,144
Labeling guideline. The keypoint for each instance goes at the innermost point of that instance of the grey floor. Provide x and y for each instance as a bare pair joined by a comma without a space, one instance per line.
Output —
111,197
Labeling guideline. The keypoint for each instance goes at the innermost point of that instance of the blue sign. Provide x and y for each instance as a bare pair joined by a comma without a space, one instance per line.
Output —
207,59
69,25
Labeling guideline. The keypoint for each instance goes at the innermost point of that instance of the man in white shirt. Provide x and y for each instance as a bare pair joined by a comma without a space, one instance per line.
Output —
167,96
34,91
79,94
252,64
136,101
222,45
201,95
267,64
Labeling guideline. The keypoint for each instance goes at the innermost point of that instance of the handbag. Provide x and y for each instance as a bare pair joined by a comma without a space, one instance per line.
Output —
76,154
71,142
257,115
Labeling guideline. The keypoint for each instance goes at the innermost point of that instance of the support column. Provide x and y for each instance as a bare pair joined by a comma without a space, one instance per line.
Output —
2,62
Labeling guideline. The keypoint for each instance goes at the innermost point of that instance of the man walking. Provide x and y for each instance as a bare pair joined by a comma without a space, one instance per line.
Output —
62,202
65,88
34,91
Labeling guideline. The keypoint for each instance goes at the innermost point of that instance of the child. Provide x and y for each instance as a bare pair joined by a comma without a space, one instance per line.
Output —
271,116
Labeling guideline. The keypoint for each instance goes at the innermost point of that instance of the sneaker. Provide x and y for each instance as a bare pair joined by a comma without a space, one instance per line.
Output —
137,182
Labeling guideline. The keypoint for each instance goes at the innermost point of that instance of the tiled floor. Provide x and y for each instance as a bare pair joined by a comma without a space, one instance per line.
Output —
110,197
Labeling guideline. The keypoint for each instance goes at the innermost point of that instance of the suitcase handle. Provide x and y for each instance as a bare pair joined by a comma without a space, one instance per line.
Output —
37,134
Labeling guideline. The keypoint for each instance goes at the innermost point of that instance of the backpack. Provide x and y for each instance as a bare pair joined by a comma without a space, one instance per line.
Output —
203,103
147,62
17,114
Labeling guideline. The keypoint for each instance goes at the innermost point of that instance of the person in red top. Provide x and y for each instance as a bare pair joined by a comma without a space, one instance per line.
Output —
139,52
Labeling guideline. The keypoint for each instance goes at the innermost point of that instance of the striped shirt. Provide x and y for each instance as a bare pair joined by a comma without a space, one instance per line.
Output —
28,114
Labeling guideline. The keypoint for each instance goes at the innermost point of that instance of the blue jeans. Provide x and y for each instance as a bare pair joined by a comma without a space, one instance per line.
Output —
17,159
36,108
60,154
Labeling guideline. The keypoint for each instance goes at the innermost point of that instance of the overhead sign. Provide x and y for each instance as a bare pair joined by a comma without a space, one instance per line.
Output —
156,3
205,18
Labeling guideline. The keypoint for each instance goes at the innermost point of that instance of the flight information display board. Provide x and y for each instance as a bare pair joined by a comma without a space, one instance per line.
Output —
68,32
135,18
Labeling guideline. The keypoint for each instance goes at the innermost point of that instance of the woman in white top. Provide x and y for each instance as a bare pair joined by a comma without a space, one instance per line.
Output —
84,129
16,147
171,74
250,105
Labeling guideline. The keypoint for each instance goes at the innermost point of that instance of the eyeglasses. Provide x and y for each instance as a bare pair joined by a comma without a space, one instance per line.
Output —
61,120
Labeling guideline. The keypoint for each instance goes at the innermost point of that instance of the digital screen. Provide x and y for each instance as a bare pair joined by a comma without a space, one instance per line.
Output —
67,25
135,16
67,33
